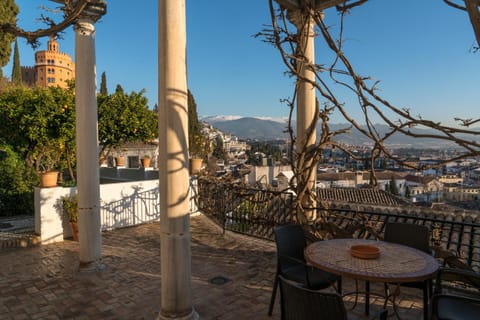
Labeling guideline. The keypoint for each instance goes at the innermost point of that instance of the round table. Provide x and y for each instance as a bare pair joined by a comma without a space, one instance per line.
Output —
396,263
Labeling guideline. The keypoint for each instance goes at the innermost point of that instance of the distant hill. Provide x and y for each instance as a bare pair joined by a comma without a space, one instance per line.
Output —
250,128
274,129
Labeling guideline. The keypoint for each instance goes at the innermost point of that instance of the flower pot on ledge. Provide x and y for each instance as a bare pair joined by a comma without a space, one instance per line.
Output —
120,161
48,179
145,162
195,165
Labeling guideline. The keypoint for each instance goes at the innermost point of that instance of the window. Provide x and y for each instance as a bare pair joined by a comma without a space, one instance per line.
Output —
51,80
133,162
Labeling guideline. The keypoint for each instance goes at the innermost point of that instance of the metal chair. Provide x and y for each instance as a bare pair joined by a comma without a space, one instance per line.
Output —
290,242
299,303
418,237
457,295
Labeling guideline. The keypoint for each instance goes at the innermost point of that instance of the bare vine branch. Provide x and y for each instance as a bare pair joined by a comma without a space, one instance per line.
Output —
374,107
72,9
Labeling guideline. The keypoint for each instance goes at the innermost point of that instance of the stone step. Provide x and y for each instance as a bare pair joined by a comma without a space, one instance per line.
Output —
18,240
17,232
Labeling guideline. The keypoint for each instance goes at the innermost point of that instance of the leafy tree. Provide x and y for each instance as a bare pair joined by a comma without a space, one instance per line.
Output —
198,144
103,84
16,184
218,151
268,148
8,14
407,192
39,124
124,118
392,186
16,70
119,89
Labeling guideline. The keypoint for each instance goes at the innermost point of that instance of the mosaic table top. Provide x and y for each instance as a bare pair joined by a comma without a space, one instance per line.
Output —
396,263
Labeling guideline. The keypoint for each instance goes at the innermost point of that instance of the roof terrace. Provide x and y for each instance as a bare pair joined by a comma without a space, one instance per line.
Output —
232,278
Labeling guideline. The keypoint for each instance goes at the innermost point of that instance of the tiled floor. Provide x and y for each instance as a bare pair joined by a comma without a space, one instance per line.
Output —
44,282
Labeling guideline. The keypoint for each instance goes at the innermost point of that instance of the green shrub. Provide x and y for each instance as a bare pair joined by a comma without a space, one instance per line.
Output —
17,183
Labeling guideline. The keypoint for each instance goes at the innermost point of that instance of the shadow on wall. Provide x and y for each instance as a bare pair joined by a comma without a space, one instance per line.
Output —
137,208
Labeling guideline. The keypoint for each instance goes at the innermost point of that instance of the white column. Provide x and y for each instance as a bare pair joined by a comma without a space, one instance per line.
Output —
176,293
88,177
305,91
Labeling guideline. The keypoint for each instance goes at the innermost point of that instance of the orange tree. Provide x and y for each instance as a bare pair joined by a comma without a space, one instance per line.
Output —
124,118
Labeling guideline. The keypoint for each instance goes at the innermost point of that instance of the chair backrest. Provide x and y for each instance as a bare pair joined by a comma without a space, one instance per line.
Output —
408,234
457,294
290,241
298,303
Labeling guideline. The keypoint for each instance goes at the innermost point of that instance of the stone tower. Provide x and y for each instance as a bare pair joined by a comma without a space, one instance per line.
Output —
52,68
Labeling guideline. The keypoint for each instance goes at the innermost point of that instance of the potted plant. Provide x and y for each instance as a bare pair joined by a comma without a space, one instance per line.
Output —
119,158
199,149
146,161
47,161
70,211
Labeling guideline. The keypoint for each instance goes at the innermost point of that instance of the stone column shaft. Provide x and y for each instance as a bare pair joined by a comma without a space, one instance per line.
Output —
306,92
176,292
88,177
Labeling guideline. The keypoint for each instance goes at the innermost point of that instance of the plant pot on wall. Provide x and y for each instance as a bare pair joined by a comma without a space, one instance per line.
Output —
120,161
195,165
146,162
48,179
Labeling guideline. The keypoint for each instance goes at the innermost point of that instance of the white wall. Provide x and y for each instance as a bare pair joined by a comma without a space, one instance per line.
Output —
122,205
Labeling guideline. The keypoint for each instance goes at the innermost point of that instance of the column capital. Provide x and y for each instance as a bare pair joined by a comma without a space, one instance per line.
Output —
85,27
300,18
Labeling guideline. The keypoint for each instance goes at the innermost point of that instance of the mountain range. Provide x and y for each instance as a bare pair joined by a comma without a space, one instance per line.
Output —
264,129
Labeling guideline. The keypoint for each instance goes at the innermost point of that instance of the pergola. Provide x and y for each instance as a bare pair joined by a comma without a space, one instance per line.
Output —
176,295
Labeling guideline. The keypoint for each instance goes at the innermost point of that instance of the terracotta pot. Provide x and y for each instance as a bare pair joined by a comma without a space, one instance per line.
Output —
74,226
146,162
195,165
120,161
48,179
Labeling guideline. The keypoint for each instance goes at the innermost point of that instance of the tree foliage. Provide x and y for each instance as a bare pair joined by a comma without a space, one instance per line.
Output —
16,184
39,124
16,69
392,186
125,118
218,149
103,84
8,14
198,145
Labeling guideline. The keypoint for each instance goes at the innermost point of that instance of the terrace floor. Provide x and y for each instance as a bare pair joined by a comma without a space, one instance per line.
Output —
44,282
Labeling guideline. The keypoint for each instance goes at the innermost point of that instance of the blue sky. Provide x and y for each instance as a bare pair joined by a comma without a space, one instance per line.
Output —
420,50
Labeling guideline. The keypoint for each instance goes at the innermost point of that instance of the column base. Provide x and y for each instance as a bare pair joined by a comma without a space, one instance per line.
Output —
192,316
95,266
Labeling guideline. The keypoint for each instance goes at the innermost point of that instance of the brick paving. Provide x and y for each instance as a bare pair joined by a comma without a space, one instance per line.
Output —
44,282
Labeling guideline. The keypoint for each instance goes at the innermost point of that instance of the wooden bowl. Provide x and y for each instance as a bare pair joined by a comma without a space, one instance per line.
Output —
363,251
